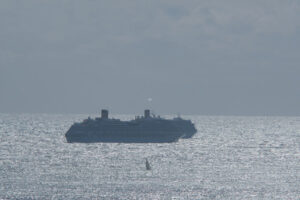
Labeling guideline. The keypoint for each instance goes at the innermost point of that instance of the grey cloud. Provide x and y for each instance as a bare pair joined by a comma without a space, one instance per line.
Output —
201,57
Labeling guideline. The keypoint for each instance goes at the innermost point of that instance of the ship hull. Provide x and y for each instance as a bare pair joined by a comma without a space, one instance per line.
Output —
96,139
121,137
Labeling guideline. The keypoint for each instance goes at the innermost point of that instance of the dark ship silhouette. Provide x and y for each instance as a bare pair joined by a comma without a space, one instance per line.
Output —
143,129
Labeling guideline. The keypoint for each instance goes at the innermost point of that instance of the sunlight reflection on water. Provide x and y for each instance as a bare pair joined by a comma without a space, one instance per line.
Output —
229,157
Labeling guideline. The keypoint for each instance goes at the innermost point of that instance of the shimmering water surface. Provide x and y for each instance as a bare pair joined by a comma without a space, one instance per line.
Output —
229,158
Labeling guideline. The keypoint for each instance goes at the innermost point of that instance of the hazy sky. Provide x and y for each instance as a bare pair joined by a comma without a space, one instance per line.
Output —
193,57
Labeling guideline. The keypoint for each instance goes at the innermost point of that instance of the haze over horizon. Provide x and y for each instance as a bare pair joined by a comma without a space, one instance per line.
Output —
208,58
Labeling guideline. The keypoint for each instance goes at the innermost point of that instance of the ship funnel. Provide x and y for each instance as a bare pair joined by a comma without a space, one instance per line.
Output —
104,114
147,113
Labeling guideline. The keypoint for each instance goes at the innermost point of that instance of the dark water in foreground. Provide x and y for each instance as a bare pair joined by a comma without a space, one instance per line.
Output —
229,158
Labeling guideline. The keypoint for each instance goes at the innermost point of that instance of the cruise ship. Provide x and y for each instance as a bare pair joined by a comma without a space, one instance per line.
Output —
143,129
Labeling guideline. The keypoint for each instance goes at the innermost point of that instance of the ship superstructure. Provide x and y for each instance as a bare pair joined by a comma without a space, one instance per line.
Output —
145,128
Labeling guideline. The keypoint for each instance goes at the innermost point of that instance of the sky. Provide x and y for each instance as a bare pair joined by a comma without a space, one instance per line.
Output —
234,57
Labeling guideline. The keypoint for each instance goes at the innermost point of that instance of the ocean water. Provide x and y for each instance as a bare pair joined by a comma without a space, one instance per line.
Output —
228,158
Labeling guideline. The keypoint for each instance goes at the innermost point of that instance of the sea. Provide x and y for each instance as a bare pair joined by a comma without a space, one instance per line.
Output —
230,157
